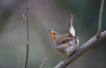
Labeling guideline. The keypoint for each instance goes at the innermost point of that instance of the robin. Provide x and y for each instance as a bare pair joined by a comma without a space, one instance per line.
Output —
66,43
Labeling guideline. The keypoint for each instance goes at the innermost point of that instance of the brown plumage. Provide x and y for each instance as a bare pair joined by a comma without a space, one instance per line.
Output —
64,43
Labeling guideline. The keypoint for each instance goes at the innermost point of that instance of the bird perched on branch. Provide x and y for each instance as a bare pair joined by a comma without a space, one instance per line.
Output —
66,43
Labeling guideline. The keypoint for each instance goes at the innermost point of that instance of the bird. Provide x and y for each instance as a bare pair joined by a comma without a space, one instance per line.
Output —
66,43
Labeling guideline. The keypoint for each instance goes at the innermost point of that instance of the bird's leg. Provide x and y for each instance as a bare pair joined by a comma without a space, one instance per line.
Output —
64,56
74,51
71,54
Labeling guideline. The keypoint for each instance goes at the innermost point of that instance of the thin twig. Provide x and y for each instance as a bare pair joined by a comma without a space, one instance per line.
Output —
100,19
42,62
27,21
24,17
21,42
27,45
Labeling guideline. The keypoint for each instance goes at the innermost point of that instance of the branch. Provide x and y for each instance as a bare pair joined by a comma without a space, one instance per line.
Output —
100,19
92,42
27,45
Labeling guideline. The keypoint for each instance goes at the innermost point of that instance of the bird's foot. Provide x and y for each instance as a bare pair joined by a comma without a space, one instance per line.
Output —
63,61
71,54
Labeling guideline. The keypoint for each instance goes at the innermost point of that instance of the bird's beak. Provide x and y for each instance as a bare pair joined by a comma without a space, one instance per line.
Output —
49,30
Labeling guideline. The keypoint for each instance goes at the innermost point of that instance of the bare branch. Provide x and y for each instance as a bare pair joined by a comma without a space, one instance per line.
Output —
27,21
42,62
92,42
100,19
27,46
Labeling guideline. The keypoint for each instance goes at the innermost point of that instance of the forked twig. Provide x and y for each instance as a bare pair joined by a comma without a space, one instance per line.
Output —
100,19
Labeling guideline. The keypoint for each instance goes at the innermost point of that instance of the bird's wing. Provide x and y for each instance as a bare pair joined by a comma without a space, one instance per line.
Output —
66,40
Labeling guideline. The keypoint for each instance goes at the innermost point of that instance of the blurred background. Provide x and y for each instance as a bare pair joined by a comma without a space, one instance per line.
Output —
52,15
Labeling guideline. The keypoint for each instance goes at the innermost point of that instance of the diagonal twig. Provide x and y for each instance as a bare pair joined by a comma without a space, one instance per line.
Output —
24,17
42,63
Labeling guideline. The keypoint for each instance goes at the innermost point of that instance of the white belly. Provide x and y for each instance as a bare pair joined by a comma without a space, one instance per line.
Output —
67,48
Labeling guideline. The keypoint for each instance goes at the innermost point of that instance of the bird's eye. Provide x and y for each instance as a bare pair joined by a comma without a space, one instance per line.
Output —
53,33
